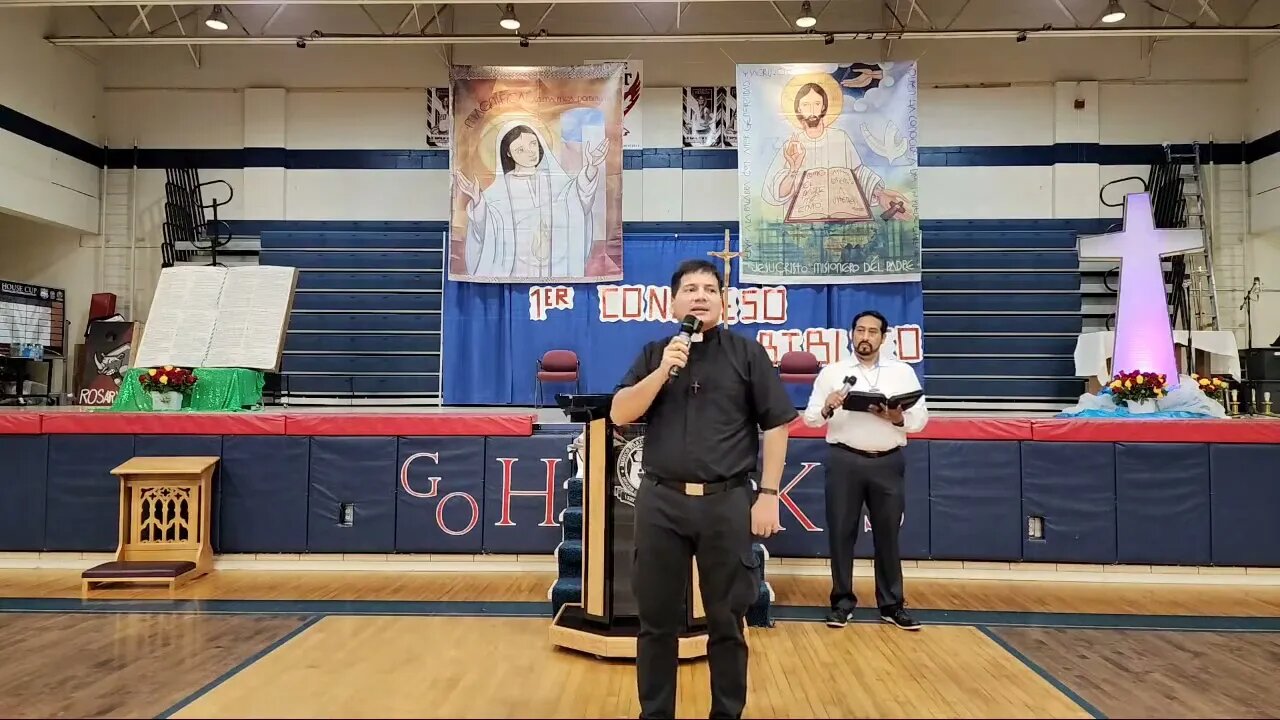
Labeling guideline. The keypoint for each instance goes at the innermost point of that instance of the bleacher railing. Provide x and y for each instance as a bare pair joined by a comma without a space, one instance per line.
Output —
187,229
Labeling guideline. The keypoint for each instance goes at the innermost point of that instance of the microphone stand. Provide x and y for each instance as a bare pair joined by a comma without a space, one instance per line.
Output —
1191,326
1247,307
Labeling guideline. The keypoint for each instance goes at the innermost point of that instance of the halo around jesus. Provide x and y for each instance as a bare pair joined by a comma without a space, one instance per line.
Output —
835,97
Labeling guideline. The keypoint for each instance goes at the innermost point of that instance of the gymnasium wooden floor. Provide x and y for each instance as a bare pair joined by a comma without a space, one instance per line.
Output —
313,644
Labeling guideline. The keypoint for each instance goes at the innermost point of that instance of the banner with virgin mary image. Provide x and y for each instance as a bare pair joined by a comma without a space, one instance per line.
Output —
537,174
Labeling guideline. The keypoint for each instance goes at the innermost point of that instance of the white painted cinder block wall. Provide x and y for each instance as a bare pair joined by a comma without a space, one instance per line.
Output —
1263,118
1040,113
62,88
971,93
49,210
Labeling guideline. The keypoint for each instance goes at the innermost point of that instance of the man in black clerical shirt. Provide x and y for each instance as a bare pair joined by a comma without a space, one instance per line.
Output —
701,445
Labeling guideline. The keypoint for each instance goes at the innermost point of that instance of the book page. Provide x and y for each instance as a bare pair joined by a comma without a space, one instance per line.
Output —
182,316
811,200
845,197
829,194
252,318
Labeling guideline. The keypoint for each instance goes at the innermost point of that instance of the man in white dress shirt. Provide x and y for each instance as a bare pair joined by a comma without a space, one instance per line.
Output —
866,465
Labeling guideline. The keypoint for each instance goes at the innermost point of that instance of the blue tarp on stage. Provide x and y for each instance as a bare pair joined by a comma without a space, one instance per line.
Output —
495,334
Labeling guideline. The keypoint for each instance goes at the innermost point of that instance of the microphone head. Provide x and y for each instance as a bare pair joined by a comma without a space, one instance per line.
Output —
851,380
690,324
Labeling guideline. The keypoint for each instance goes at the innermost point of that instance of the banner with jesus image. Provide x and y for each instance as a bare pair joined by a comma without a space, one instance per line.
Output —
827,173
537,174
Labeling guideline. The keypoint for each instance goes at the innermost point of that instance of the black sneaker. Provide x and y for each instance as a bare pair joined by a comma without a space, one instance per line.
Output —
900,618
838,618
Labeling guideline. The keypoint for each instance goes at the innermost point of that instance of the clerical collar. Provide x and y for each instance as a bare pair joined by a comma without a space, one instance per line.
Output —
707,334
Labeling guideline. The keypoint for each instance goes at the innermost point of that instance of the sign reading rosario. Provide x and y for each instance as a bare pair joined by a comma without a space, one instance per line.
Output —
749,306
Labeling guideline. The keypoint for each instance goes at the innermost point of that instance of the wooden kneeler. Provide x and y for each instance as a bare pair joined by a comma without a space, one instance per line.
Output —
165,522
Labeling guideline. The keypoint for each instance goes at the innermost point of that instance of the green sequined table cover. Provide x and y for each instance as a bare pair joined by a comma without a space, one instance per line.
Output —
216,390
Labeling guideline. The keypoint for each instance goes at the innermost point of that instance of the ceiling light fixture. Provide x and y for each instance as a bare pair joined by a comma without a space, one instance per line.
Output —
1114,13
806,19
509,19
215,21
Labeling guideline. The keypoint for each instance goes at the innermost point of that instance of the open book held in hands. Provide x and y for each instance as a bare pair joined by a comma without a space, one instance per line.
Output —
858,401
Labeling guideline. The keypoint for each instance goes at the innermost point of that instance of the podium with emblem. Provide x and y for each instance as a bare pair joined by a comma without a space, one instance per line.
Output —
604,621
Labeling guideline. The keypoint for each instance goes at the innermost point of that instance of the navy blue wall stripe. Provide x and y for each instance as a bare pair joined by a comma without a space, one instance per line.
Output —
49,136
251,228
1265,146
688,158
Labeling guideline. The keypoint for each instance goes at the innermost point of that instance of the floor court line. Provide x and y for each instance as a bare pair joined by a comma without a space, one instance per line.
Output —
1048,677
783,613
240,667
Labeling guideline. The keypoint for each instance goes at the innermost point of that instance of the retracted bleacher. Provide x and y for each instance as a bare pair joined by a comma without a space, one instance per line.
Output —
1003,306
367,316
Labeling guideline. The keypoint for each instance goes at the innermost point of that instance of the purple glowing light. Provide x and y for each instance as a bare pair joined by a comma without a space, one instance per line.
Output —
1144,334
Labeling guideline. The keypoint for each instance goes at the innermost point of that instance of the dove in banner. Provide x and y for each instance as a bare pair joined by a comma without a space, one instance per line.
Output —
891,147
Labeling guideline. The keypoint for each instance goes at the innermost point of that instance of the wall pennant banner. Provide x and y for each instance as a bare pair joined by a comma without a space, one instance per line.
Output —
537,174
827,173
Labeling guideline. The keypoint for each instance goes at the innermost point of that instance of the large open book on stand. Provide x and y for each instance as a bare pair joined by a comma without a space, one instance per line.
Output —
219,317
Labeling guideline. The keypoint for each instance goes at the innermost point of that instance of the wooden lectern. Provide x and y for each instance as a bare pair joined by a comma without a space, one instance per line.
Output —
605,623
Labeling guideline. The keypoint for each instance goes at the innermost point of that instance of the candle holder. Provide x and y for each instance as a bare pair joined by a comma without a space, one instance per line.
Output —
1266,403
1234,408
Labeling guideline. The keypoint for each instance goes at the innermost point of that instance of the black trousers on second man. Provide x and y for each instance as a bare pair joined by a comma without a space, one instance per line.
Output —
852,480
671,529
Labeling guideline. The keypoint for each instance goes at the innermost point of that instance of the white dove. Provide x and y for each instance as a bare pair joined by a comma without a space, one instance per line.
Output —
891,147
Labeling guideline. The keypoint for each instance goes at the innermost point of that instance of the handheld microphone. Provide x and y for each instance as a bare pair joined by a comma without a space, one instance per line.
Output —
846,388
688,328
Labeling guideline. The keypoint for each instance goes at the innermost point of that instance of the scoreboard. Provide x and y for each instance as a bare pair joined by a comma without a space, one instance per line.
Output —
32,315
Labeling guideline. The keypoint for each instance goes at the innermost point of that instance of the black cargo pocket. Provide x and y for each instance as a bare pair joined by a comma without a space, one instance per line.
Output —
747,588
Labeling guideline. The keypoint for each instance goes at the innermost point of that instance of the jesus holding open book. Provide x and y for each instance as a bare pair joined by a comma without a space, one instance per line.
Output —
817,174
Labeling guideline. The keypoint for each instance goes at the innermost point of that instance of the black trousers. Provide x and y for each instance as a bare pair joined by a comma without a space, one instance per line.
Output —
671,529
853,480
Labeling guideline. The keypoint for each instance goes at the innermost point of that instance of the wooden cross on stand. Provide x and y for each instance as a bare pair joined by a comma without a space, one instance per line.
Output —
727,255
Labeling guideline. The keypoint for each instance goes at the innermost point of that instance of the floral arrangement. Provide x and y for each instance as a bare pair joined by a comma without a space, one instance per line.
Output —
1137,386
1213,387
167,379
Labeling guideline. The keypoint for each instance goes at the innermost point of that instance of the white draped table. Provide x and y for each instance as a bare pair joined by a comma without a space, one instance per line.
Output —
1094,349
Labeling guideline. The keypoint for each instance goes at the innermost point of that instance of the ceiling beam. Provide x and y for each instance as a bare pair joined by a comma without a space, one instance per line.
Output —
915,8
142,18
1075,22
1207,8
552,39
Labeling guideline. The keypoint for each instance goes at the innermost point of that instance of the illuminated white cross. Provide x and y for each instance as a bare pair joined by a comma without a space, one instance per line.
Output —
1144,334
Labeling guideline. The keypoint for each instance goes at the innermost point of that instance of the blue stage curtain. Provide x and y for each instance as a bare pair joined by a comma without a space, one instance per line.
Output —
492,346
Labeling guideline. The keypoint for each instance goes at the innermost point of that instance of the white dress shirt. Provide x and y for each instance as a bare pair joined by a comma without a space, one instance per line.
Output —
863,430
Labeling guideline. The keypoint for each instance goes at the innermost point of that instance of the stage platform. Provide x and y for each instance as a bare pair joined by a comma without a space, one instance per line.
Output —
442,481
